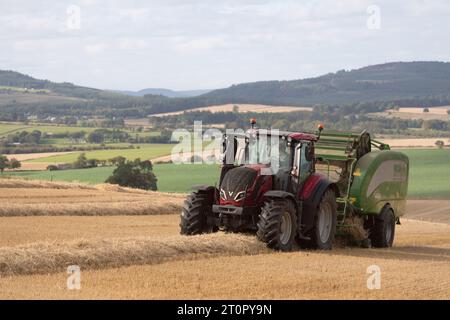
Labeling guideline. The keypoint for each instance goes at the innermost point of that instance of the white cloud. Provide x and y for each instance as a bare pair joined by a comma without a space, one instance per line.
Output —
203,44
95,48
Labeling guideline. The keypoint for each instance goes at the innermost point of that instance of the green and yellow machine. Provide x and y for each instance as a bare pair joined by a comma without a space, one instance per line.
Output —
372,179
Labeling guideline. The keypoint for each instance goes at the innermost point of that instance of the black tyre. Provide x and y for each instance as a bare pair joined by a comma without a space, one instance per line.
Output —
324,229
382,231
194,214
277,225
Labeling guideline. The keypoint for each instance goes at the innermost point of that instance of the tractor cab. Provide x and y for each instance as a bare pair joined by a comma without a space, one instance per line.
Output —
287,157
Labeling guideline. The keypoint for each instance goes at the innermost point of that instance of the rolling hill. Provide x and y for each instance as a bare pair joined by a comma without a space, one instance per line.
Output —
398,83
165,92
387,82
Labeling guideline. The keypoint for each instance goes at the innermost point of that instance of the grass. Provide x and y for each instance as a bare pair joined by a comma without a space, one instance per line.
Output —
13,127
429,173
20,89
145,151
171,177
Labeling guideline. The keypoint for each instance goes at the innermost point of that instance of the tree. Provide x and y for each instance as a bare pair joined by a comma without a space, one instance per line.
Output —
425,110
439,143
14,164
3,163
134,174
96,137
117,160
81,162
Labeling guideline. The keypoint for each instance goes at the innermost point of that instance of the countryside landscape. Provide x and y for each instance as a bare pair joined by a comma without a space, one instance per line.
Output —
91,181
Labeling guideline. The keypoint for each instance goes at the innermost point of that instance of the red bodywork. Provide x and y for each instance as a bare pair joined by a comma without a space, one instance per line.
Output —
264,186
310,185
303,136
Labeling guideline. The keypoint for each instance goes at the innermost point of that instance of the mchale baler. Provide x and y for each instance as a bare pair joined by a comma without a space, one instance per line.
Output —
326,183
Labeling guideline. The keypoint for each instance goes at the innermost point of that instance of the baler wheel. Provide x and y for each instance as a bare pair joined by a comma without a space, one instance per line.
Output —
382,231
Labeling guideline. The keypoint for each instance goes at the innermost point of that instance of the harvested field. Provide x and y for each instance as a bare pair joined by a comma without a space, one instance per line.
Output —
32,156
434,113
95,254
143,257
200,267
17,231
37,198
243,108
416,142
429,210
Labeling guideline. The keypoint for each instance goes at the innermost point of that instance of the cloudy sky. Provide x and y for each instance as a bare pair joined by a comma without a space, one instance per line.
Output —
186,44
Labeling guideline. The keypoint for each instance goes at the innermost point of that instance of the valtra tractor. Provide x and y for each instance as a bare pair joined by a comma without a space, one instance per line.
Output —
323,181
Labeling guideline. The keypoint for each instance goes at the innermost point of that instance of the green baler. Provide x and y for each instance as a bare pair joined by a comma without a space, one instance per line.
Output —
371,177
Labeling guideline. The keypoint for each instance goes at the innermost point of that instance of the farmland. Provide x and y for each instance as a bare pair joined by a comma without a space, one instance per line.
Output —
429,174
171,178
143,151
143,257
243,108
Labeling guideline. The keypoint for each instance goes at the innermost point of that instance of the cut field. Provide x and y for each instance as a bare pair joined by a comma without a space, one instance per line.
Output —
242,108
29,198
142,257
434,113
416,142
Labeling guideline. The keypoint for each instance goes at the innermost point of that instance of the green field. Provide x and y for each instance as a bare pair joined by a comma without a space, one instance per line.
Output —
429,173
145,151
171,178
20,89
9,128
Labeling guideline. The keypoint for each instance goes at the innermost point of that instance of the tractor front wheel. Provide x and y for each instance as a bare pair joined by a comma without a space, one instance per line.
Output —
194,214
324,228
277,225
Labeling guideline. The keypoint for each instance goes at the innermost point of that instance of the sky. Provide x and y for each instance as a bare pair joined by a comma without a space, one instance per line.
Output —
208,44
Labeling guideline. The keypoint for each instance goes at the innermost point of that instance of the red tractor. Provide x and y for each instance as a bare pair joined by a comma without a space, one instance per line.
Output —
295,203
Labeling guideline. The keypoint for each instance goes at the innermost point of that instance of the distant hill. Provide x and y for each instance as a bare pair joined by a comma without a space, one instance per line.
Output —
165,92
383,82
376,87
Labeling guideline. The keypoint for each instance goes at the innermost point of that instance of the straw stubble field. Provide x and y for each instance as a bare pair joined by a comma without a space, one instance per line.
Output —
139,254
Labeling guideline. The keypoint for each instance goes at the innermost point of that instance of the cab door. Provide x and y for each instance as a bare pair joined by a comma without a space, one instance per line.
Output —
303,163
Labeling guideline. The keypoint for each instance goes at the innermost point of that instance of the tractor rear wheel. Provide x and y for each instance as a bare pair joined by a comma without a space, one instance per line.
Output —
194,214
277,225
382,231
324,229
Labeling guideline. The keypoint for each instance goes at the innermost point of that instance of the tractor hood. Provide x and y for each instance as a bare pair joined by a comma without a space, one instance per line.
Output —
237,183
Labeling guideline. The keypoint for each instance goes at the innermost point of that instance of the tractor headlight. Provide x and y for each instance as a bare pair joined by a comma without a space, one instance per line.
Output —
239,196
223,195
